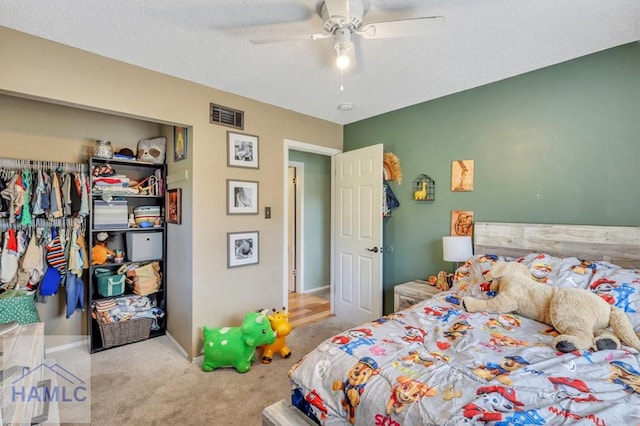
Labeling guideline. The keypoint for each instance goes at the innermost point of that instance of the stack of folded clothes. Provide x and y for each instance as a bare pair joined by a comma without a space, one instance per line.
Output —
125,308
106,180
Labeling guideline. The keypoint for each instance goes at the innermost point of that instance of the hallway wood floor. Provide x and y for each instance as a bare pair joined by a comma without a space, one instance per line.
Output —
307,308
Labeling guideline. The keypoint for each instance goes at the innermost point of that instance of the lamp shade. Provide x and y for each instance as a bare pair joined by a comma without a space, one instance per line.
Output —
456,249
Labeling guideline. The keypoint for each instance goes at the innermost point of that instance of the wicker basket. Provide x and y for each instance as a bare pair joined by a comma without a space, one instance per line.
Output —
121,333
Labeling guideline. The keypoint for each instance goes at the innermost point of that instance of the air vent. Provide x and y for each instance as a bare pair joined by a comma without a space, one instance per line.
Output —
226,116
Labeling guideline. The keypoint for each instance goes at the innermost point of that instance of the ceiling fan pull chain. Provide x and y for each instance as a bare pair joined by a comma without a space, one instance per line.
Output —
341,84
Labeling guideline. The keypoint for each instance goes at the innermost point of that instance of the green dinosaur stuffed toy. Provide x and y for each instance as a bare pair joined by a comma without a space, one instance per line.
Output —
236,346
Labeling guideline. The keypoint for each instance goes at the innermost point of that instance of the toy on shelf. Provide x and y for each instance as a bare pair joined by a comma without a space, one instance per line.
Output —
423,188
421,194
236,346
100,253
281,326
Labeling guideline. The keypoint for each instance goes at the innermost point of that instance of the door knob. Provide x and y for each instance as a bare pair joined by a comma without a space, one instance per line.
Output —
374,249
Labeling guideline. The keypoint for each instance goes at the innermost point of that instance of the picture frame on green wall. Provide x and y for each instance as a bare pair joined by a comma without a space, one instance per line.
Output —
462,175
462,223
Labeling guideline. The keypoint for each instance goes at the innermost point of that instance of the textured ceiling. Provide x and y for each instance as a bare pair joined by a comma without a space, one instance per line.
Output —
208,42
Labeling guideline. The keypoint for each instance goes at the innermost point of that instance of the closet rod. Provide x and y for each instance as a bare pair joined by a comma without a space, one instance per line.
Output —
39,222
18,164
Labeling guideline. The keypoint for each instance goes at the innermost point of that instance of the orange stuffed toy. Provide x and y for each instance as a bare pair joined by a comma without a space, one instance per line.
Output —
100,252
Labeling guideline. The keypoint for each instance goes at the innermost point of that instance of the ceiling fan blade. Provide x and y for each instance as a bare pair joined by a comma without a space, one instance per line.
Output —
338,9
415,27
316,36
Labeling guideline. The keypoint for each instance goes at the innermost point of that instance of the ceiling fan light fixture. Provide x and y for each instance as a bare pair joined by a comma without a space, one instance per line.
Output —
342,45
342,61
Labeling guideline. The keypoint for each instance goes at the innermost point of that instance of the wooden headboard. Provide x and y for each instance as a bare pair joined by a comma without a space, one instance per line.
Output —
617,244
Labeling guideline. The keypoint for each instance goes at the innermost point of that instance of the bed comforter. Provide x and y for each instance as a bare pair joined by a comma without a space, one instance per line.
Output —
436,364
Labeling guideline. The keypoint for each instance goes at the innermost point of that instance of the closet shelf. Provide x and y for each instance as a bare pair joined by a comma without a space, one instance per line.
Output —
113,264
115,194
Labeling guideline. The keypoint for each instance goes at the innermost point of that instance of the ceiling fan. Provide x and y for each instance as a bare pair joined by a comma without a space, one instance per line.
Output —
344,18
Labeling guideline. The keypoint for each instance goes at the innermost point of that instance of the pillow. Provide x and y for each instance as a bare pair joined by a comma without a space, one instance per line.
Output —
618,286
548,269
19,307
468,279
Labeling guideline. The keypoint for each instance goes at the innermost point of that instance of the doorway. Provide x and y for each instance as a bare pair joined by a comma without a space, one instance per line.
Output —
308,229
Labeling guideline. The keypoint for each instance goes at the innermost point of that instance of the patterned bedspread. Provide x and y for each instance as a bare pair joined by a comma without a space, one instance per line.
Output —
435,364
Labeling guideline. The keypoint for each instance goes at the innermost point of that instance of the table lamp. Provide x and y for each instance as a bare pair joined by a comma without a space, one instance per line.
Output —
456,249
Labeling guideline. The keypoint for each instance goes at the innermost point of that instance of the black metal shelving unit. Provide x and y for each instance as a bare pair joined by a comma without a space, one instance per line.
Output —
137,171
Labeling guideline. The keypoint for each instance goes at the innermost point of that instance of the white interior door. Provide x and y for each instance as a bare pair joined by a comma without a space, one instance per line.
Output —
358,234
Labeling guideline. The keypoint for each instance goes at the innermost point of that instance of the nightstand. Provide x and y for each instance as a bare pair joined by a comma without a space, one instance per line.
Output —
412,292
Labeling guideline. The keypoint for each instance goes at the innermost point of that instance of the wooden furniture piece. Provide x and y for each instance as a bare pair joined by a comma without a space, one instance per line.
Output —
615,244
412,292
283,413
139,244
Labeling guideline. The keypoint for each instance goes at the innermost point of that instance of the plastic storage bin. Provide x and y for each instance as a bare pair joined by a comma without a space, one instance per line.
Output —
147,214
112,214
144,246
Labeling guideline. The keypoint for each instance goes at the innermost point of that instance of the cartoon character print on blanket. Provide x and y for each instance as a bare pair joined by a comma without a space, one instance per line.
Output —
407,391
354,385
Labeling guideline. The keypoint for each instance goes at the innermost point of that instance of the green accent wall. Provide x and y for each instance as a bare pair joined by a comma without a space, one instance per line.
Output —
556,145
317,218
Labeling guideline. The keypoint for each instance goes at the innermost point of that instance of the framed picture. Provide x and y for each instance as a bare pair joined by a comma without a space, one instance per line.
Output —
462,223
242,150
173,207
462,175
242,248
179,143
242,197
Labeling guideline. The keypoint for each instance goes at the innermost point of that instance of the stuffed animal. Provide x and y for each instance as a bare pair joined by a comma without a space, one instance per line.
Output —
100,252
582,318
236,346
280,324
152,150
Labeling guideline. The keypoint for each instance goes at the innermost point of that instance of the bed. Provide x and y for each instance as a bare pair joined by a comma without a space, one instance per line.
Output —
436,364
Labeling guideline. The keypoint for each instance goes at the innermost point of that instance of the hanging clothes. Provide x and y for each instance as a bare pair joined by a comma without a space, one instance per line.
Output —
55,252
37,194
74,287
84,203
9,258
14,193
40,250
55,197
32,261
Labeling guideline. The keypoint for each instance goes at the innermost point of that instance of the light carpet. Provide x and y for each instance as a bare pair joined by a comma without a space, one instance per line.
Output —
150,382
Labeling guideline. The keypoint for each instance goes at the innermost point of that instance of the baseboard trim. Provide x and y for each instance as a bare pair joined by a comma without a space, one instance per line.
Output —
177,345
317,289
66,346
